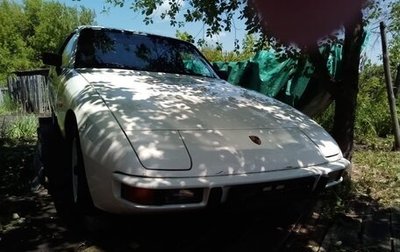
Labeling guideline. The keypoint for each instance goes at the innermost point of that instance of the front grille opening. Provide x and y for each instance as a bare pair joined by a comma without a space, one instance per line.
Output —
293,187
215,197
335,176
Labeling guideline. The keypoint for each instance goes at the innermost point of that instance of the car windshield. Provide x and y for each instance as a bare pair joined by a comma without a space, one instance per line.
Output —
126,50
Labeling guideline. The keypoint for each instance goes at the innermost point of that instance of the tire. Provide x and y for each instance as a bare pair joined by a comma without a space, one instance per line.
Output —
81,200
70,190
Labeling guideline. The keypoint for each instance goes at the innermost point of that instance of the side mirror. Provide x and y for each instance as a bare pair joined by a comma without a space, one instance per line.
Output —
51,59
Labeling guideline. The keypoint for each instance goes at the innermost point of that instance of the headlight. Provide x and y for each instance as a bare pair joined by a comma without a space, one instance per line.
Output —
326,144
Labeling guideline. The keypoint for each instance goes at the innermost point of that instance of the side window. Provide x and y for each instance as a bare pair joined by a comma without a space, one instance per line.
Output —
69,52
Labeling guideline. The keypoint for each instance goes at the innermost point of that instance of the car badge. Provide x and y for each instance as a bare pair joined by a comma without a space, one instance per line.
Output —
255,139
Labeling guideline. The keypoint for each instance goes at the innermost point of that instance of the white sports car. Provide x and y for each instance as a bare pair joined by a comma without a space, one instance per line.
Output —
149,126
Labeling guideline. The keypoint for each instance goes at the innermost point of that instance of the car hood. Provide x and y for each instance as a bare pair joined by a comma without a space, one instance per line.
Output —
203,125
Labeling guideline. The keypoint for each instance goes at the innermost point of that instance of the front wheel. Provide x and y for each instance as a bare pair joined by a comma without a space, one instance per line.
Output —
81,200
71,194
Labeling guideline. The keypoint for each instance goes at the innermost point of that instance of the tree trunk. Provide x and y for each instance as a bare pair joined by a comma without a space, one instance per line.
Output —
346,94
344,90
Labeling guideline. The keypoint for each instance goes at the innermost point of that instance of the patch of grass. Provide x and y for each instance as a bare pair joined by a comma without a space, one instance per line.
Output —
375,177
376,174
374,183
23,128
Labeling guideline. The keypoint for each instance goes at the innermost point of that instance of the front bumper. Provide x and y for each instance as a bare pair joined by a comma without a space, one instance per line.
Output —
221,189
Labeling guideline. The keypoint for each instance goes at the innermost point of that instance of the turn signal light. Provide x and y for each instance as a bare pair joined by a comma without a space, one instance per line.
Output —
157,197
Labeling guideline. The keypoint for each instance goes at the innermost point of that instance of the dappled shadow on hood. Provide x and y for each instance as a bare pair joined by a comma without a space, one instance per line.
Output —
155,100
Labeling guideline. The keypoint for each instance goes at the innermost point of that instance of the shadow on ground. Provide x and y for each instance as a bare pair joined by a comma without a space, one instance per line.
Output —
27,217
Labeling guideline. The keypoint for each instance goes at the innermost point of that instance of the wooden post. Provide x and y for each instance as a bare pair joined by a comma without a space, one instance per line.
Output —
396,86
389,89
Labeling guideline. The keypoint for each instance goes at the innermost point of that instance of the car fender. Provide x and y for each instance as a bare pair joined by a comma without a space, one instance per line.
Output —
105,147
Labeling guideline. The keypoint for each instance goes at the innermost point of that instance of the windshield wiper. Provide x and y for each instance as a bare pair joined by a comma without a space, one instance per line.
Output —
113,65
197,74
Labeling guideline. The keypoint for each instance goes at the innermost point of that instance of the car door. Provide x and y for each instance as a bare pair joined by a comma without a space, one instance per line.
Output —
59,75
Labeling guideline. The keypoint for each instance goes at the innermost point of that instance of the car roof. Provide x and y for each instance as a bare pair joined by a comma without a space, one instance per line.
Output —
97,27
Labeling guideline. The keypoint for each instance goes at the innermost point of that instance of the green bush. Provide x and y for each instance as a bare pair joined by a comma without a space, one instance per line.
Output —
372,115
